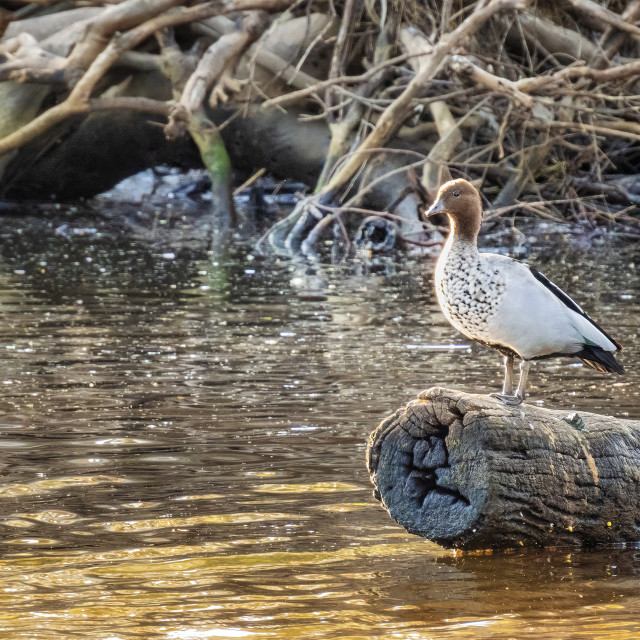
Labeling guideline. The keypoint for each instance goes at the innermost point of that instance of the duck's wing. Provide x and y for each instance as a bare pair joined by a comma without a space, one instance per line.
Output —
599,359
536,319
573,306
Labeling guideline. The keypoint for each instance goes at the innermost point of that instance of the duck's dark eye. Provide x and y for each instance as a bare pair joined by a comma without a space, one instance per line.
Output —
456,194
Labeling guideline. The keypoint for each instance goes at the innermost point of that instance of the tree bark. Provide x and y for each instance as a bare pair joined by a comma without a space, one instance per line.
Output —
469,472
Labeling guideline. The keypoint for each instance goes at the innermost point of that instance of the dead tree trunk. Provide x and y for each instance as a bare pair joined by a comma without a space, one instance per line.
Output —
466,471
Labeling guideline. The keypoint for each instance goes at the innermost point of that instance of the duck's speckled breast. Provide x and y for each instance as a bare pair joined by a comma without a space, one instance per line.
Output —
469,289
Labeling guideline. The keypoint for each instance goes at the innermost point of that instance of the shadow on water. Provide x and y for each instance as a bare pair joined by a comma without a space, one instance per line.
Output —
183,442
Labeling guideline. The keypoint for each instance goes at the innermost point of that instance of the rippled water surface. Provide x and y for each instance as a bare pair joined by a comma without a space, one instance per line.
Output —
183,436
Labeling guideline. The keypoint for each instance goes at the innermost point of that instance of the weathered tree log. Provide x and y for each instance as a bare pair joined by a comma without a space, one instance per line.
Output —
376,233
469,472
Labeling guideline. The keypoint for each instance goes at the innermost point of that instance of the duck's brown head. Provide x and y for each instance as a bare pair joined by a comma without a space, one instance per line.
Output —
461,201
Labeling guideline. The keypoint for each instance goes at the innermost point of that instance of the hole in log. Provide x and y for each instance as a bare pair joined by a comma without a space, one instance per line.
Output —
454,496
420,484
420,470
376,233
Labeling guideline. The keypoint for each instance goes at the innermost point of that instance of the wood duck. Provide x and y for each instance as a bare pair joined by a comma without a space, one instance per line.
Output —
507,304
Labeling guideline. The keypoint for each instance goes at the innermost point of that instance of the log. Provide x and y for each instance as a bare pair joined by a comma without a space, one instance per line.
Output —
376,233
468,472
43,26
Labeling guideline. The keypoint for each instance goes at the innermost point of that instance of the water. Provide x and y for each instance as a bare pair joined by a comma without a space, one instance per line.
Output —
183,442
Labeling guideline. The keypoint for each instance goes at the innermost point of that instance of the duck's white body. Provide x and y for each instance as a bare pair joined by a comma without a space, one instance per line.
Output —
497,300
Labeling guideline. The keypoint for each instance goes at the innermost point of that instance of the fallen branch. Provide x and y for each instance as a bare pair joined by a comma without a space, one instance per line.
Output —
612,39
77,99
337,66
463,66
128,103
115,18
395,114
613,191
602,14
342,128
582,127
221,59
214,66
619,72
433,171
550,38
445,124
318,86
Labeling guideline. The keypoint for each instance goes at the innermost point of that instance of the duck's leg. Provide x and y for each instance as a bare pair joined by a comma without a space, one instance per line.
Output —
507,385
525,365
507,396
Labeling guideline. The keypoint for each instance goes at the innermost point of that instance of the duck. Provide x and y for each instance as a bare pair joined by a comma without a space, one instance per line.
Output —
505,303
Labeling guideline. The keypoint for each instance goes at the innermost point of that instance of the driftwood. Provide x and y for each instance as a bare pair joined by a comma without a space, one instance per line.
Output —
532,103
466,471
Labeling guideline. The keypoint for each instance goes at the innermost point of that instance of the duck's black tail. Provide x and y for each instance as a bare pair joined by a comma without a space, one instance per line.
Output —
599,359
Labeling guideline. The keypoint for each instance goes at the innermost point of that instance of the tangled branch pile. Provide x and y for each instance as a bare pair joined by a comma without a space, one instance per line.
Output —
372,103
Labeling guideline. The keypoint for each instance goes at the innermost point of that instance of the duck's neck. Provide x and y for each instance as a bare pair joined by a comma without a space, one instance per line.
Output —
461,241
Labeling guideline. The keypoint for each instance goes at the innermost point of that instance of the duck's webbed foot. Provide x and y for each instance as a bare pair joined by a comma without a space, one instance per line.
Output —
505,399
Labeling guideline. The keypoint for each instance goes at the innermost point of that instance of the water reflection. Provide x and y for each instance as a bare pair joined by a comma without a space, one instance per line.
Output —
183,449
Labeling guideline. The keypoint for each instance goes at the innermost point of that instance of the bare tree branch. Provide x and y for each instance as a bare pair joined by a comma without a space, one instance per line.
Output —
395,114
77,100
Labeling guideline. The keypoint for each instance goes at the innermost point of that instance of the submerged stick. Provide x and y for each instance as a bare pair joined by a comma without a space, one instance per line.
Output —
469,472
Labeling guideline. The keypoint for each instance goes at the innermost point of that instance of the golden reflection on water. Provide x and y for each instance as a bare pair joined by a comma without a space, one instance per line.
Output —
172,523
92,588
51,516
316,487
208,590
39,487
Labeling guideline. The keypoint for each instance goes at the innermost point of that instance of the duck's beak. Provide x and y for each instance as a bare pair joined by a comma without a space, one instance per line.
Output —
436,207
